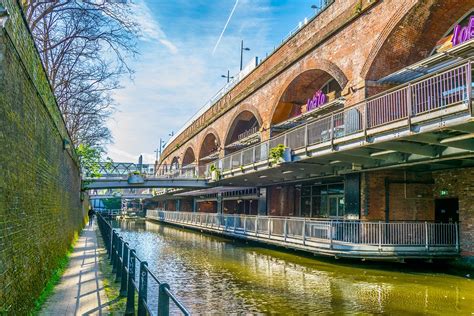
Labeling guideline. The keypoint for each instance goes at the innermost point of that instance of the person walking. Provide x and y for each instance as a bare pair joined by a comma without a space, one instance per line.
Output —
91,216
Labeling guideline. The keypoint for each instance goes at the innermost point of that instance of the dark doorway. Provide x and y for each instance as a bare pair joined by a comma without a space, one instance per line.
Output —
447,210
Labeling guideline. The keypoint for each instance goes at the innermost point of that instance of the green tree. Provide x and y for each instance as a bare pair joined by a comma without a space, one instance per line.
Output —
90,159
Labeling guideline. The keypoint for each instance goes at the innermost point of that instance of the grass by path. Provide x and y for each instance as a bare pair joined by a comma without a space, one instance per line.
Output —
62,264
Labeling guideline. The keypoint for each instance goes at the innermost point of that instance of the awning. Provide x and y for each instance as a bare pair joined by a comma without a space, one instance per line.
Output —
431,64
214,190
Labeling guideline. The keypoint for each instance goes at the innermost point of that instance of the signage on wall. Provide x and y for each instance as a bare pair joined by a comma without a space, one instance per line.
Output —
316,101
463,34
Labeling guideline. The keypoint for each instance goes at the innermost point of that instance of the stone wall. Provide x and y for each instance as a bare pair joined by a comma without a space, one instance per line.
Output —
40,199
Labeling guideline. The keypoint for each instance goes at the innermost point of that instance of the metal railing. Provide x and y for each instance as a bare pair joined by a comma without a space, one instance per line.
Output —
413,100
178,171
383,236
126,264
248,132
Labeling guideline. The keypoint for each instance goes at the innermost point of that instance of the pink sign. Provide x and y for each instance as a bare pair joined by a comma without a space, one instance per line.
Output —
463,34
316,101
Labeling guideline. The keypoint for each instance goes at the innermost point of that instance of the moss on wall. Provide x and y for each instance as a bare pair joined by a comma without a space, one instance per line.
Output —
40,204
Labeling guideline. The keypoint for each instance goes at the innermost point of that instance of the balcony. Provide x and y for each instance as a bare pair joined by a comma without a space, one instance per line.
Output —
356,239
406,120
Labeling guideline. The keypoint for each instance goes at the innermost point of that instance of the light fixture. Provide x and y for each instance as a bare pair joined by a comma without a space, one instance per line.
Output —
287,171
261,177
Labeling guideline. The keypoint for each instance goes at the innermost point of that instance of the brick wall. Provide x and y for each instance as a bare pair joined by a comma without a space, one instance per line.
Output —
407,200
40,204
207,207
460,184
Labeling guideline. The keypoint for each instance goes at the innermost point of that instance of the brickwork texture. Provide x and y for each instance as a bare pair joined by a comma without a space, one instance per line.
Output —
40,199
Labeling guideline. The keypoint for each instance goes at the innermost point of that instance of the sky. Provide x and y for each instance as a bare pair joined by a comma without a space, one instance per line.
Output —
182,56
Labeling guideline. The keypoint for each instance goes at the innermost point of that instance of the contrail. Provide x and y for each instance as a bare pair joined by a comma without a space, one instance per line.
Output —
225,26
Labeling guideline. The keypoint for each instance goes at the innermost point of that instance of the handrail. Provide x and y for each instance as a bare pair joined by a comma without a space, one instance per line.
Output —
124,263
316,232
447,87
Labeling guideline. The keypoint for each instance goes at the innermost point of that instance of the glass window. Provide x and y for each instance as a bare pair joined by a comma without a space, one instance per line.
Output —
306,191
306,206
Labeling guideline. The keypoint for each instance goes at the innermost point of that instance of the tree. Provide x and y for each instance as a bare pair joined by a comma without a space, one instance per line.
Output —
84,46
91,159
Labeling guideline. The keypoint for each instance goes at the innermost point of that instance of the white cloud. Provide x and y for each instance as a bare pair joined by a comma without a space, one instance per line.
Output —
169,88
150,29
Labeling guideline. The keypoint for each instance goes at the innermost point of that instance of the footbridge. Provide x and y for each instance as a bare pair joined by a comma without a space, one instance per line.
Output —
126,175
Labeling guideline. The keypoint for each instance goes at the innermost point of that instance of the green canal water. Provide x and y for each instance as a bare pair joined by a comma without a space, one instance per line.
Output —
213,275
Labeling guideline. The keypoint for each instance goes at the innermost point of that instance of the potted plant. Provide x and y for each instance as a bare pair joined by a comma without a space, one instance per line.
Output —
215,173
280,153
135,178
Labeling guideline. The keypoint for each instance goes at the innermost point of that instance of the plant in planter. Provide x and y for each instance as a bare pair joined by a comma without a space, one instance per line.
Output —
280,153
215,173
242,168
135,178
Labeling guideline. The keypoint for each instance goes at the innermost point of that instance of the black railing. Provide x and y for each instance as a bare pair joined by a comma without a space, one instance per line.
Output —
124,264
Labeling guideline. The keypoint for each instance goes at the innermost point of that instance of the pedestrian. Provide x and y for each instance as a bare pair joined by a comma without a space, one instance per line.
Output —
91,216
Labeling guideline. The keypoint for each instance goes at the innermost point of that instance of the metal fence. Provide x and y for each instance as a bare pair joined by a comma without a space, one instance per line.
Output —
318,232
429,94
126,264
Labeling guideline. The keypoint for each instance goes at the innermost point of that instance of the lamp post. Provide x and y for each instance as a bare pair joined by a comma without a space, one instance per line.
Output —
242,48
228,77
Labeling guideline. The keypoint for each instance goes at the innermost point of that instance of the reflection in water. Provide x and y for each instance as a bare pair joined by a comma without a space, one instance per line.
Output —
212,274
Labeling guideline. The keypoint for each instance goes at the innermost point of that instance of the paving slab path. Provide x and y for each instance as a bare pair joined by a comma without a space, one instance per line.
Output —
80,291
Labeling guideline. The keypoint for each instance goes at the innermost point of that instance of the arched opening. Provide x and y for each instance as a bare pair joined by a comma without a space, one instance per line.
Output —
243,132
425,29
174,163
209,149
312,92
189,157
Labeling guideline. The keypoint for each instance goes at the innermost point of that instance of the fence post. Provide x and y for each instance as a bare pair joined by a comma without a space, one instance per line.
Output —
235,222
256,225
269,226
456,227
163,300
118,273
130,308
114,251
304,231
285,228
123,283
380,236
426,236
245,225
409,105
330,234
469,87
111,253
142,289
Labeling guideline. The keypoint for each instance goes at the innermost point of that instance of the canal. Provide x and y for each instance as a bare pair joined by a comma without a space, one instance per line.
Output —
216,275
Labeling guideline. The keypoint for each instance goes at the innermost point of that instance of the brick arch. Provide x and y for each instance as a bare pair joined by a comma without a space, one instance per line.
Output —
321,66
206,133
243,108
411,34
189,150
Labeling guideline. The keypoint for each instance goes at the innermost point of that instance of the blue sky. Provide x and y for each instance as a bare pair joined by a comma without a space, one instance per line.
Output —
177,72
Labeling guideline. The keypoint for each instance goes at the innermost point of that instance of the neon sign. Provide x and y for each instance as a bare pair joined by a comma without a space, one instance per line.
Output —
316,101
463,34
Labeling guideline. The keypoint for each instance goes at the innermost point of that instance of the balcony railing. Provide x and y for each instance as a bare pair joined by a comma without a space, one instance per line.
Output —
411,102
358,237
179,171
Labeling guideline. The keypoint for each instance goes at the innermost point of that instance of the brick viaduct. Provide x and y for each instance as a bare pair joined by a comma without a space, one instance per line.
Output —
354,42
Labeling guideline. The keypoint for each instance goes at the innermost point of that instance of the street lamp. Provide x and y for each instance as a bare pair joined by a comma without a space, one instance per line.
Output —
242,48
228,77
